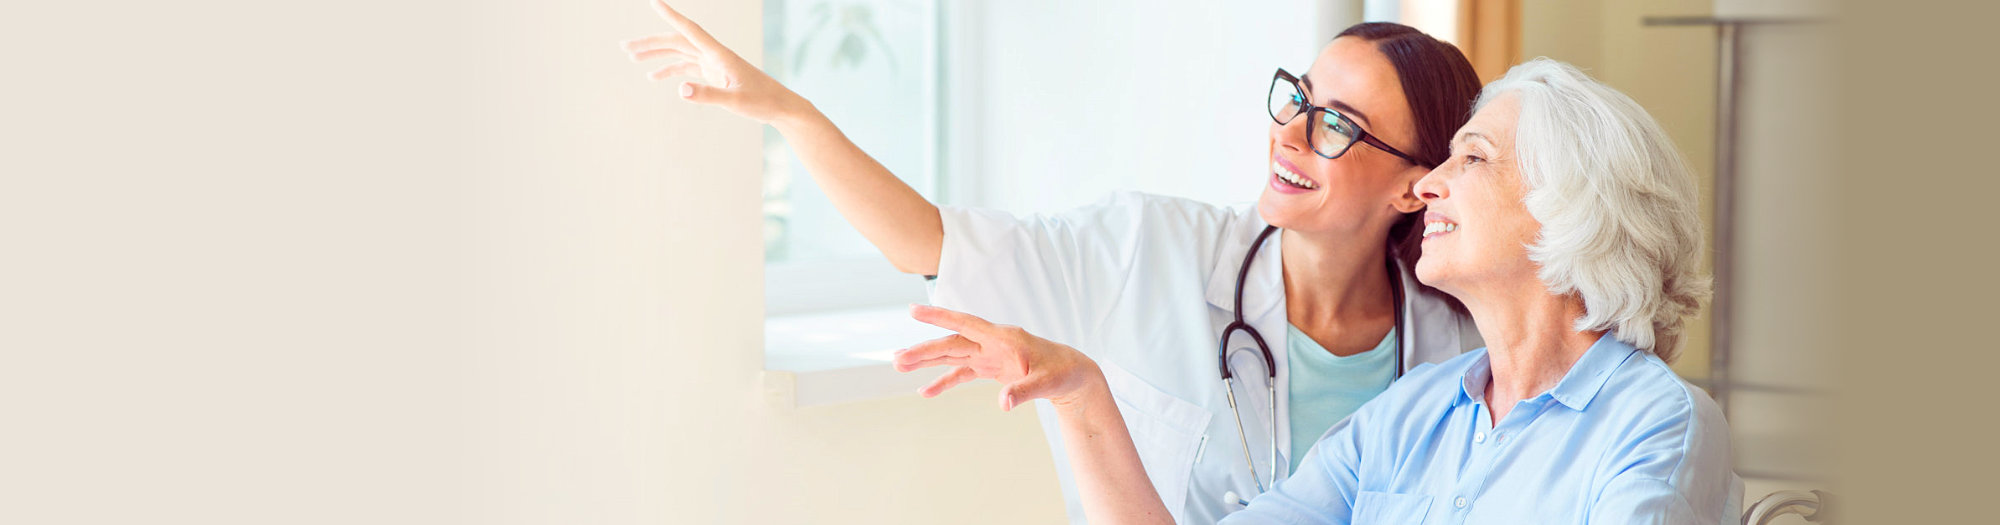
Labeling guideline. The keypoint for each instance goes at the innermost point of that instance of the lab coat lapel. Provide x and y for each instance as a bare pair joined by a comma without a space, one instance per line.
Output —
1265,287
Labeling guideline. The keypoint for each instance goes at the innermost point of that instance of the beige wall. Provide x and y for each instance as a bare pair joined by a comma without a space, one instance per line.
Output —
390,262
1669,70
642,286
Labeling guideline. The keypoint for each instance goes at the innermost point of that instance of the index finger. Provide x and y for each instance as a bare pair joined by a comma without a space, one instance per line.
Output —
965,324
694,32
948,346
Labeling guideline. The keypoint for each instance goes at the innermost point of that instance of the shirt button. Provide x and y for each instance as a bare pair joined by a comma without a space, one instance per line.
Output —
1478,437
1460,502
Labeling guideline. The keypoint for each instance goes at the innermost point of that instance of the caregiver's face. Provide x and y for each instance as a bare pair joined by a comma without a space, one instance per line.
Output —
1363,186
1477,228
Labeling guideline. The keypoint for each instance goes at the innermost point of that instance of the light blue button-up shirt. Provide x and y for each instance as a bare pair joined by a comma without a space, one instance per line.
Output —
1620,439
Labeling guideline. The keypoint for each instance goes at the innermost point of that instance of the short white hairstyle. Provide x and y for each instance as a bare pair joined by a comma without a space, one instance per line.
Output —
1620,214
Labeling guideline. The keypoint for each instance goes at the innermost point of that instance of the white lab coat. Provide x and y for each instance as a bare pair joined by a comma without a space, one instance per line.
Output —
1144,284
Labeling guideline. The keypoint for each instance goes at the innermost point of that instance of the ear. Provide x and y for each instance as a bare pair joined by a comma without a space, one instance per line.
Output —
1408,201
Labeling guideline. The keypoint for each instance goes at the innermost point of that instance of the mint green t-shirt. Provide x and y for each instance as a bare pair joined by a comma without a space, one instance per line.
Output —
1325,388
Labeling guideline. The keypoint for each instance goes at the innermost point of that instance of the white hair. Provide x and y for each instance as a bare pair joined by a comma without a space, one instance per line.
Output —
1621,225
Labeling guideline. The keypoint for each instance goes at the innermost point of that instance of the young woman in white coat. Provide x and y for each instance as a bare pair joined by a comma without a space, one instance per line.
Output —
1326,309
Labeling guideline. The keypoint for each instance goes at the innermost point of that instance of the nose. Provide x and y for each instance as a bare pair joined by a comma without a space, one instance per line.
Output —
1290,135
1431,188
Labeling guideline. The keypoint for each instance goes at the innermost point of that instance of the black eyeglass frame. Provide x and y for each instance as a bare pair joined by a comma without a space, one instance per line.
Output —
1308,108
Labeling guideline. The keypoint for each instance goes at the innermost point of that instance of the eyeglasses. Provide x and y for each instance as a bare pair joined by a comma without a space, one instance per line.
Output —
1331,133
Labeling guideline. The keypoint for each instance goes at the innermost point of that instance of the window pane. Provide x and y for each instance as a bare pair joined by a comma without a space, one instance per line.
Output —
870,66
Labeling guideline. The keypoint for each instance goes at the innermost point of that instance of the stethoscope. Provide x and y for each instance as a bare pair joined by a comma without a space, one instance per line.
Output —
1271,364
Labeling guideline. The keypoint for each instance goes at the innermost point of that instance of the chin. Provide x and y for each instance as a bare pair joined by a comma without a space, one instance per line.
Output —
1271,212
1429,272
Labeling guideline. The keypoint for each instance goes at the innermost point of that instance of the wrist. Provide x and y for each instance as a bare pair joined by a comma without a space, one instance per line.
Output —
1092,391
797,116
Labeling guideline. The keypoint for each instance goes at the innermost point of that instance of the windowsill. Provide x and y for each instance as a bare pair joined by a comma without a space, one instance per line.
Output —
842,356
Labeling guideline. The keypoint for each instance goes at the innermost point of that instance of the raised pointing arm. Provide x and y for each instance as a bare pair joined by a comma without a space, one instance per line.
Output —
897,219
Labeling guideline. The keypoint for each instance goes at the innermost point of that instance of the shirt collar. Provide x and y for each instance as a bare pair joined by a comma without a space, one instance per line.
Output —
1580,385
1587,377
1474,375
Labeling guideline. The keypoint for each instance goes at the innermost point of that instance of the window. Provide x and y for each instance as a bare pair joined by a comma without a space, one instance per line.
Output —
1022,107
831,300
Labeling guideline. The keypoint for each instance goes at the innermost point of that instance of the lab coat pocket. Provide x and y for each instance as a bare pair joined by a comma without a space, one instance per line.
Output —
1383,507
1166,430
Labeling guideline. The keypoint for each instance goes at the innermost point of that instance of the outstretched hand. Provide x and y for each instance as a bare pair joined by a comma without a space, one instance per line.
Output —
1108,472
727,81
1027,367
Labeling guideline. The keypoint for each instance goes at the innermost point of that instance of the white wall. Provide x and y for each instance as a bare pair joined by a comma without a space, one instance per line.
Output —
392,262
1070,101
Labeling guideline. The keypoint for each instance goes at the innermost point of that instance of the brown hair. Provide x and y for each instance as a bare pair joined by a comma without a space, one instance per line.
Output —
1440,85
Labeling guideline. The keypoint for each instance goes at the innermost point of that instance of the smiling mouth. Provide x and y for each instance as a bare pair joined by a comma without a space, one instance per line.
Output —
1290,177
1438,228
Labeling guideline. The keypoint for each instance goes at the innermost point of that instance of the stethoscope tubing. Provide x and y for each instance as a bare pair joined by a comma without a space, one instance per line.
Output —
1271,362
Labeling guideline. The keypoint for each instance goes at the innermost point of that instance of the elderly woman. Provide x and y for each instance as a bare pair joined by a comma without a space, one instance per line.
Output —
1566,222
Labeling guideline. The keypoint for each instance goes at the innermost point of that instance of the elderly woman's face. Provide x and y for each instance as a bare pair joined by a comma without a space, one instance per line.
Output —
1477,229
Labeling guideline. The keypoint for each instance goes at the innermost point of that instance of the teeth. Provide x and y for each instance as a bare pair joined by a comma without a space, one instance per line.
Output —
1433,228
1294,178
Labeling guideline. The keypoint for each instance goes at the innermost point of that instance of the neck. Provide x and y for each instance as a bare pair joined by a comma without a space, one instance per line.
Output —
1531,340
1333,278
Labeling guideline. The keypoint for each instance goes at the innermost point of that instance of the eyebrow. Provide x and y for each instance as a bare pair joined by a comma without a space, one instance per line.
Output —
1336,104
1467,137
1351,110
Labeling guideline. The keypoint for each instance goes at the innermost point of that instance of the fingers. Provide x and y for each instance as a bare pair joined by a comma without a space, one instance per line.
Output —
707,94
683,69
924,353
961,322
655,54
687,27
941,361
659,42
957,376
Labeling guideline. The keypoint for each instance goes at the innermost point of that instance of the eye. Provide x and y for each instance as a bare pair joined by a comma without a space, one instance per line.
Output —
1474,159
1337,124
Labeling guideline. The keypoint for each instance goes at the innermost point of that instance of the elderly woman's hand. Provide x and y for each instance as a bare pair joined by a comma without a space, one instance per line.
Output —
727,80
1026,366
